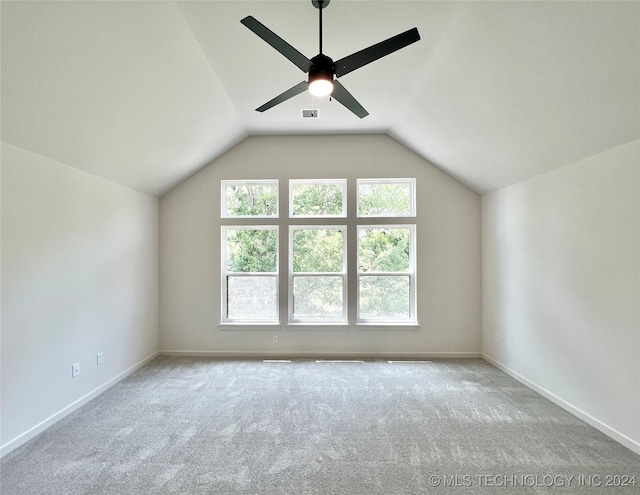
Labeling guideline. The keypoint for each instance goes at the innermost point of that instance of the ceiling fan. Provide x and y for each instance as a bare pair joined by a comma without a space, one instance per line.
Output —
322,69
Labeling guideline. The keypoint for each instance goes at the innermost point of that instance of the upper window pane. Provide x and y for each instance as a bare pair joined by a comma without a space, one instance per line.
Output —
386,197
250,198
252,250
384,249
318,198
318,250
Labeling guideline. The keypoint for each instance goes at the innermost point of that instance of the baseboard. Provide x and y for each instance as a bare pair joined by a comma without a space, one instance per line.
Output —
587,418
40,427
324,355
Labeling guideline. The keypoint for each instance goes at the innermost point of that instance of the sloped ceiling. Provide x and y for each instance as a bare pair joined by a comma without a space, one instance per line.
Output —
146,93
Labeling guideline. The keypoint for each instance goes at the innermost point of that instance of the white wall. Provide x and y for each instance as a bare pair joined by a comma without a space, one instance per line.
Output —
79,276
448,252
561,287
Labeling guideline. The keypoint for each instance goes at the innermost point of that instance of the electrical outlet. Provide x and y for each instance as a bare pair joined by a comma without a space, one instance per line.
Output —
275,339
100,358
75,370
496,338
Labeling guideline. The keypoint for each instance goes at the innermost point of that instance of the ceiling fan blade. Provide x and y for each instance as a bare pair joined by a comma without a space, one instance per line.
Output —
343,96
289,93
374,52
278,43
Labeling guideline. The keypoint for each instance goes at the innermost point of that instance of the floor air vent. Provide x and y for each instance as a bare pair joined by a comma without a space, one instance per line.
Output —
407,361
309,114
339,361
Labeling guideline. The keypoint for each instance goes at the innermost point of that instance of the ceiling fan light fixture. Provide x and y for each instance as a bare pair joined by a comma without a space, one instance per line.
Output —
321,87
321,75
323,72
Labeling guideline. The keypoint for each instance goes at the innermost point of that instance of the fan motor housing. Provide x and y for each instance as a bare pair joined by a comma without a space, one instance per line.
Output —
322,67
320,5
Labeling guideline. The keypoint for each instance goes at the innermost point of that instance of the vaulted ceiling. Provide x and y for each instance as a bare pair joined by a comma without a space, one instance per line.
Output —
146,93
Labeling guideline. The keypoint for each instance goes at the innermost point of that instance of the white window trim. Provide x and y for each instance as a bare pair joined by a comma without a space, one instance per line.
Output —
345,302
253,182
411,273
323,182
225,274
412,197
283,224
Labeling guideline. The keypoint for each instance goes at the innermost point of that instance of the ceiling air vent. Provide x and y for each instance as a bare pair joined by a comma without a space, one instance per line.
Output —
309,114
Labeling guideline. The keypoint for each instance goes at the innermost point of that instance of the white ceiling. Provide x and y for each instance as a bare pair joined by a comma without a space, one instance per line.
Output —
146,93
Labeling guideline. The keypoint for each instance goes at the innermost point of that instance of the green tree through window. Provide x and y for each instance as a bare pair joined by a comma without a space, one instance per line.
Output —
319,280
317,200
250,199
251,251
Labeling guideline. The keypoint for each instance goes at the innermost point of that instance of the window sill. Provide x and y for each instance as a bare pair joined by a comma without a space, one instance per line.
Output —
250,326
319,326
387,326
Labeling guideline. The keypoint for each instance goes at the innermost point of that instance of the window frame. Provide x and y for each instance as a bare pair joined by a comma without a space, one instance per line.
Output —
225,274
251,182
344,274
303,182
411,273
350,224
412,196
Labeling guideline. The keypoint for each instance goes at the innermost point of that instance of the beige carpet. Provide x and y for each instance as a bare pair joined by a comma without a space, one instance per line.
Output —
203,426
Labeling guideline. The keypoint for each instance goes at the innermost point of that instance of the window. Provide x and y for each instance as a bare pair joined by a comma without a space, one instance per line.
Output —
386,197
317,198
373,282
250,273
249,199
317,288
250,252
386,273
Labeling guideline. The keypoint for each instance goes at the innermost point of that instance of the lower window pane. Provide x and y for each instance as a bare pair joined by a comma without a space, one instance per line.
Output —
252,298
384,298
317,298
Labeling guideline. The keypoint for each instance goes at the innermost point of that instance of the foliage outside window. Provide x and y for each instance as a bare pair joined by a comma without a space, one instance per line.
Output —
317,274
382,277
317,198
242,199
386,197
386,274
250,274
